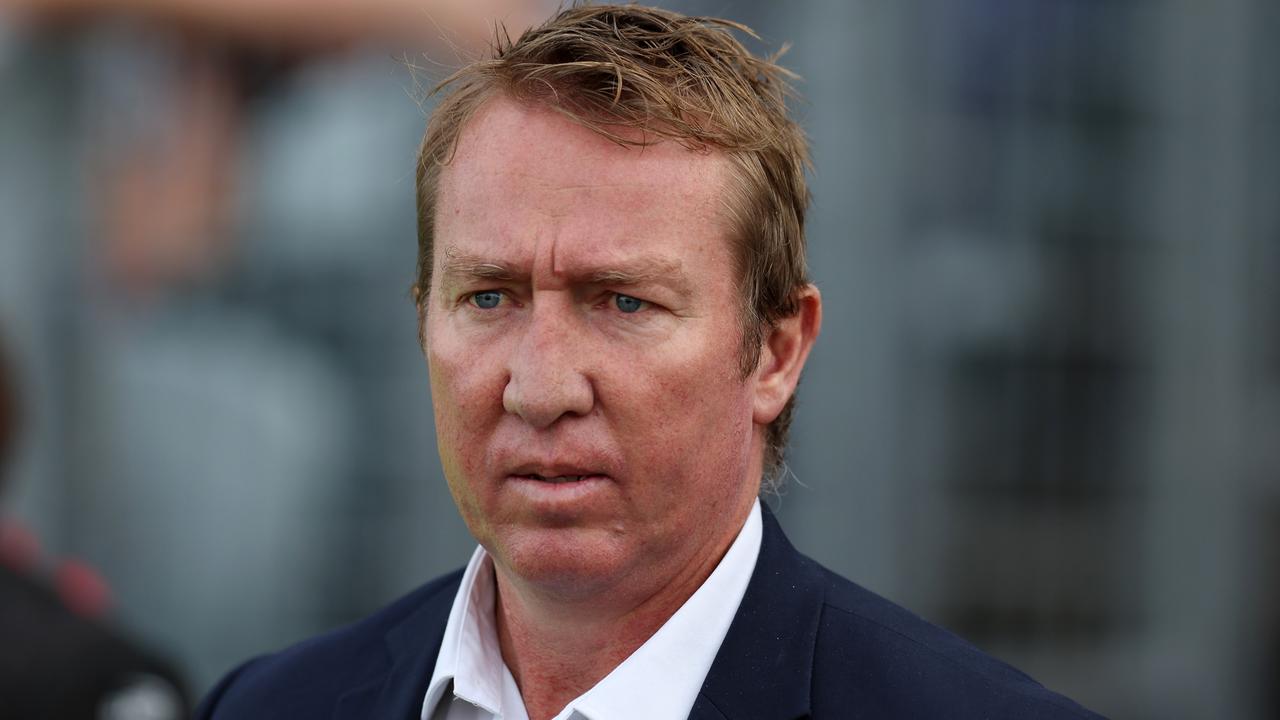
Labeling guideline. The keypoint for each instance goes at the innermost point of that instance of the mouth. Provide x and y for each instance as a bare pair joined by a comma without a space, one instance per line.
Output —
558,479
556,472
559,494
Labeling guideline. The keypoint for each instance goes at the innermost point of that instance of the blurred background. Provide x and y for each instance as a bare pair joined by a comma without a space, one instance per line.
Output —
1044,411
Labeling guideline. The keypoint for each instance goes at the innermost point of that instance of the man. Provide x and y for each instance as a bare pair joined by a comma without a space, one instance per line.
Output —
615,312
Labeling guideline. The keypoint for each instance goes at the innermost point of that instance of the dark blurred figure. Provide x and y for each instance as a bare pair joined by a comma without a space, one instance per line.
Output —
58,658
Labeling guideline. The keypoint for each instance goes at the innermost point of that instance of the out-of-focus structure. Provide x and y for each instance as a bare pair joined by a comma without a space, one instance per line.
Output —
1045,409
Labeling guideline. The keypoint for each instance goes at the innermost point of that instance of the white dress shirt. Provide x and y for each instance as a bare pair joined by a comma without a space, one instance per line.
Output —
659,680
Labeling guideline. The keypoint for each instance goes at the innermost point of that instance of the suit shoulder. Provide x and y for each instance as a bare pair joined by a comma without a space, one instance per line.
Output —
311,673
919,669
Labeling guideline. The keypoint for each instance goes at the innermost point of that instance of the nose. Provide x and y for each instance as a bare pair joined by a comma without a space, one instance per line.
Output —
547,377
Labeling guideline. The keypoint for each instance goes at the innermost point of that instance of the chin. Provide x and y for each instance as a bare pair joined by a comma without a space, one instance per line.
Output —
563,561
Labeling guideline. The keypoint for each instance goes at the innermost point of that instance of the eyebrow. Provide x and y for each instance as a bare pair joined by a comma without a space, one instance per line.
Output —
636,272
458,264
629,273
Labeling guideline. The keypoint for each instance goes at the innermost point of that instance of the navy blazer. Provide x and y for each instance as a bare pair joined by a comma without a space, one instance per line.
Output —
804,643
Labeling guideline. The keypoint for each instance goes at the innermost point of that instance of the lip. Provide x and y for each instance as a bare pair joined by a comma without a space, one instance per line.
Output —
553,470
558,498
557,480
524,470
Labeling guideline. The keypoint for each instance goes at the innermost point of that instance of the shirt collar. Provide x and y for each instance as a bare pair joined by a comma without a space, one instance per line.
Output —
661,679
470,658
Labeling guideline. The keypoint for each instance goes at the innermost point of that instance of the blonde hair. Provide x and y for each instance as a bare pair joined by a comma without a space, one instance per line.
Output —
671,77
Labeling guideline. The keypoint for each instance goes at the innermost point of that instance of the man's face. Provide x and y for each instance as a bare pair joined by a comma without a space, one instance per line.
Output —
583,331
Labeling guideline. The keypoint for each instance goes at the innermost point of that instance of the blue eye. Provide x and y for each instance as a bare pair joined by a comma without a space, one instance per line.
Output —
628,304
486,300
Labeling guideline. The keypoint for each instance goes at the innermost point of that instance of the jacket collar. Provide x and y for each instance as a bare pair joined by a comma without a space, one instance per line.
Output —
412,647
765,664
763,669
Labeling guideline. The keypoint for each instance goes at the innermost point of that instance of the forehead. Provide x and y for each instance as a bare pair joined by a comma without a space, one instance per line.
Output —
524,170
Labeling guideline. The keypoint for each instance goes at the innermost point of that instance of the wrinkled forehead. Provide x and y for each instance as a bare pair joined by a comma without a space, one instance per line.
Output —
514,156
531,143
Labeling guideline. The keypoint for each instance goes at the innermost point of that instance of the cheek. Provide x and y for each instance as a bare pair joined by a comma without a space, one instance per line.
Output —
690,416
466,395
457,392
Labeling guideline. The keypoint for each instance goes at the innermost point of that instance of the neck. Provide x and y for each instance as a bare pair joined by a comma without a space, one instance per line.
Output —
558,648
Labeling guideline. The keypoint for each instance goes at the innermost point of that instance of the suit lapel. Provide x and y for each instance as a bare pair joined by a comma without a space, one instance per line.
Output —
412,647
765,664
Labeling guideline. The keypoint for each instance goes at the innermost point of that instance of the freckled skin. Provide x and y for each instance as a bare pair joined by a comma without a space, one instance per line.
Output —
556,373
584,319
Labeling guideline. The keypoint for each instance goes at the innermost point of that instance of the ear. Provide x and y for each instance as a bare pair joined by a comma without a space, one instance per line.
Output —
783,356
